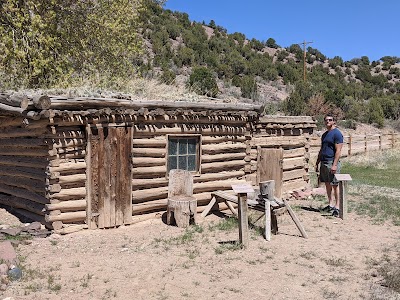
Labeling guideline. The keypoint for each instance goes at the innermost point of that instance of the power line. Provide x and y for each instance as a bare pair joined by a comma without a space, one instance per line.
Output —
304,58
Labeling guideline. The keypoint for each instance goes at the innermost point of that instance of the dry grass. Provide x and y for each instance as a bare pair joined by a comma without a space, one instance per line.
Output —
135,89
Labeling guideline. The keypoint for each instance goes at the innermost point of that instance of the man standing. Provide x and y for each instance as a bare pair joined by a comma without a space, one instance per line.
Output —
328,156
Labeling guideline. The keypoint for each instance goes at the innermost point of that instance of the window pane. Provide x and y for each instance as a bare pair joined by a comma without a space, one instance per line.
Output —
182,163
183,146
172,147
172,163
192,163
192,146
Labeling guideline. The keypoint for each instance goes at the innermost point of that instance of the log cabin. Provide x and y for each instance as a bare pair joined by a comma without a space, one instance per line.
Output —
102,161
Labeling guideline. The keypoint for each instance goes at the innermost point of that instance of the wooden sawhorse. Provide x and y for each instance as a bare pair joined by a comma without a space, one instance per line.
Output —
270,208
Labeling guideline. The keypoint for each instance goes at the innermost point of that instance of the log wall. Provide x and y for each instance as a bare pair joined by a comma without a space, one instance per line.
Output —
24,156
222,160
67,168
43,166
292,135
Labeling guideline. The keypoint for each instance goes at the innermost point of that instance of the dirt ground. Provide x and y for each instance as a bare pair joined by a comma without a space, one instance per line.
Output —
151,260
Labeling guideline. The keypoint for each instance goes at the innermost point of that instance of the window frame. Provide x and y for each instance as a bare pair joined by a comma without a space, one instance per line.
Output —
198,150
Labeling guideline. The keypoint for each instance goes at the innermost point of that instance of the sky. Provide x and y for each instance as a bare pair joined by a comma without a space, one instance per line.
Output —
346,28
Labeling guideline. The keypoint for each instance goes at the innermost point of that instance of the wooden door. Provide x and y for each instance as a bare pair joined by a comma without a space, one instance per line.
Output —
109,170
270,167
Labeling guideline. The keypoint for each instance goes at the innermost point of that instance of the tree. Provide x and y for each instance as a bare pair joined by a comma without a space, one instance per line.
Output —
248,87
45,41
335,62
256,44
375,113
203,82
271,43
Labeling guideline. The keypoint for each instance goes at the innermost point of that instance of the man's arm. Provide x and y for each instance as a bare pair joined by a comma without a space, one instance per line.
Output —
338,150
318,160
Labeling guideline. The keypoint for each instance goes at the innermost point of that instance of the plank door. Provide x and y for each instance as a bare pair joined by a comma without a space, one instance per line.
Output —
109,189
270,167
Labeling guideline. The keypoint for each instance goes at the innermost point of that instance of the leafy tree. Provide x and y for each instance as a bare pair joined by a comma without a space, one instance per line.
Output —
375,113
283,54
203,82
318,55
365,60
256,44
248,87
297,51
238,37
335,62
44,41
271,43
186,55
212,24
168,76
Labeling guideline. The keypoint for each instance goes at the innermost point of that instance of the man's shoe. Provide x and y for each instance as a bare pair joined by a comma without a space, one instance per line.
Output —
328,209
336,212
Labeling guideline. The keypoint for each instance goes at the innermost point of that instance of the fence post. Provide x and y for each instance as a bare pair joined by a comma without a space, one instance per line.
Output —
365,142
380,141
393,141
349,148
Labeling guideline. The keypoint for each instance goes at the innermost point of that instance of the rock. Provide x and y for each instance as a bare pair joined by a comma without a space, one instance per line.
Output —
3,269
319,191
42,233
15,273
11,231
55,236
3,287
7,253
35,226
4,278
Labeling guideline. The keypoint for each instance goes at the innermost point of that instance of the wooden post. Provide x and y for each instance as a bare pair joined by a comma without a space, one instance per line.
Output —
393,141
295,220
349,149
380,141
365,143
242,190
243,220
343,178
267,188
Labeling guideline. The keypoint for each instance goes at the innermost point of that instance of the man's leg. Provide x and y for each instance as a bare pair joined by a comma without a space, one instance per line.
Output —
329,194
336,193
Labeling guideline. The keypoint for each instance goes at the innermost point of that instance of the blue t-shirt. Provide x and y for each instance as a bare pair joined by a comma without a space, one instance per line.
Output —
328,141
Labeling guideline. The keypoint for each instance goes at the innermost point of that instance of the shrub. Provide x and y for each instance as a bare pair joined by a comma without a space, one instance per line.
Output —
375,113
249,87
168,76
203,82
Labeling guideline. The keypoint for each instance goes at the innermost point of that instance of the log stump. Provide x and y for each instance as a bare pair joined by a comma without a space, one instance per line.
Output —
183,209
182,206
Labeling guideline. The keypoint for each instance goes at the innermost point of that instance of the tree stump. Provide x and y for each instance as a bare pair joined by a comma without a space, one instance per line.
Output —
183,209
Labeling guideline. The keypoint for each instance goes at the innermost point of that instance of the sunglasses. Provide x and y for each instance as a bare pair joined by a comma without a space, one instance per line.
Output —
329,120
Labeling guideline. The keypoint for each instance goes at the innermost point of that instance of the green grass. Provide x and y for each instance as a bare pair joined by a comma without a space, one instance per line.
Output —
378,169
373,175
378,207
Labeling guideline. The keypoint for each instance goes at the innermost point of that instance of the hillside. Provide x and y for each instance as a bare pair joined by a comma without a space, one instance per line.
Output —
156,53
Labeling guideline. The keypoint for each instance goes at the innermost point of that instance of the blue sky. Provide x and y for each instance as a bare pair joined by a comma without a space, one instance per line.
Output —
349,29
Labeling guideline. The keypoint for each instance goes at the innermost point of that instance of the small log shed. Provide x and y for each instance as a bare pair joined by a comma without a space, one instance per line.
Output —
101,161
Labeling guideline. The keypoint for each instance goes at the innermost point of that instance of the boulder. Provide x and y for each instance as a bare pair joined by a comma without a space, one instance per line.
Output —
7,253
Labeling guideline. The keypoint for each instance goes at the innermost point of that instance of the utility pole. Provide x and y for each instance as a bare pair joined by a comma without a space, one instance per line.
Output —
304,58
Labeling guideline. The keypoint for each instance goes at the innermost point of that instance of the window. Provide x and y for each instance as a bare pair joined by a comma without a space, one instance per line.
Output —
183,153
